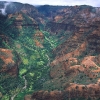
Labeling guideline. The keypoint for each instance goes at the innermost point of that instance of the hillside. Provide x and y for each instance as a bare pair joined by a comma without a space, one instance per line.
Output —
49,52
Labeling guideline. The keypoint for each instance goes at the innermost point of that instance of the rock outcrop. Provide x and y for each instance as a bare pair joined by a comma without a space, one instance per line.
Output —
7,63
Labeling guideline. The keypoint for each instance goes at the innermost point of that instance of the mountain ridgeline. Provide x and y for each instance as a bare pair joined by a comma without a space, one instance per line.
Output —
49,52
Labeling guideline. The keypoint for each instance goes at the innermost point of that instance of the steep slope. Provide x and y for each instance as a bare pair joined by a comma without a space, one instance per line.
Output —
74,71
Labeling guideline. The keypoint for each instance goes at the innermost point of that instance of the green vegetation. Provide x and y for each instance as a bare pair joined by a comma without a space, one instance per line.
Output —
34,66
10,85
23,31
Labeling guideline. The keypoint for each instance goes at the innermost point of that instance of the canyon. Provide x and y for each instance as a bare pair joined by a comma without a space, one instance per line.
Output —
53,52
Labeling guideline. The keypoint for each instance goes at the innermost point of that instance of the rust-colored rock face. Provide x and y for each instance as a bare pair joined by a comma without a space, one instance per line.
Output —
38,38
27,97
21,22
45,95
7,63
77,91
39,35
